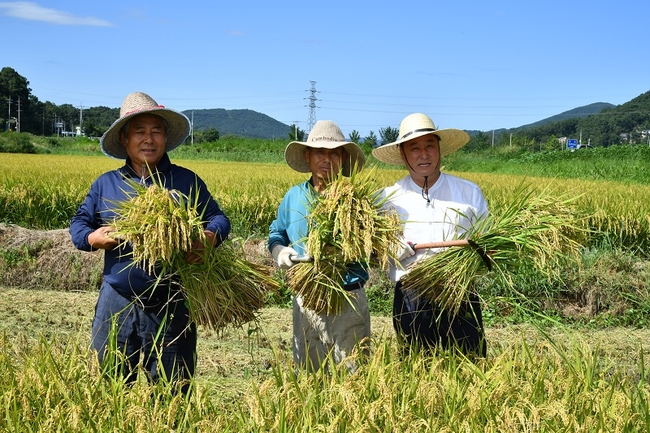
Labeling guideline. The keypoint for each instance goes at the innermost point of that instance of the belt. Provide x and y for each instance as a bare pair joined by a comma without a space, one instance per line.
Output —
353,286
146,303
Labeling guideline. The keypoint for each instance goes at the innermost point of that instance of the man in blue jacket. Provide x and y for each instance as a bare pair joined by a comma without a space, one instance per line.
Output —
319,335
147,323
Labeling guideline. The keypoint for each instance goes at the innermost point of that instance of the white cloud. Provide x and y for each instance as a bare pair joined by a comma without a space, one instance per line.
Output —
33,12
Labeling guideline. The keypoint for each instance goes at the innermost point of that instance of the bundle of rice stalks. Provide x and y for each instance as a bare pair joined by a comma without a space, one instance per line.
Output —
161,225
346,225
347,220
535,229
320,284
225,289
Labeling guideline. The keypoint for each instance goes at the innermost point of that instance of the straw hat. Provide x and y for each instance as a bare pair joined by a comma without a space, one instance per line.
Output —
414,126
326,135
178,125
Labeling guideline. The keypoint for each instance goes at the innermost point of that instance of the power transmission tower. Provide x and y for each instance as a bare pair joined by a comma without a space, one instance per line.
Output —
312,107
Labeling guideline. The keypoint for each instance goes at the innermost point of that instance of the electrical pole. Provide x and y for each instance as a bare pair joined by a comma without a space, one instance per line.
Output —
18,120
312,107
9,115
81,118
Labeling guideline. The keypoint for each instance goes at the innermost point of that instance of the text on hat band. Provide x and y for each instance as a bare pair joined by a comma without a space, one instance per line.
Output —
324,138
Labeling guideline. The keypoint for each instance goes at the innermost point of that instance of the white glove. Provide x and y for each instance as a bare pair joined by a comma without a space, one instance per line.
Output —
405,251
282,256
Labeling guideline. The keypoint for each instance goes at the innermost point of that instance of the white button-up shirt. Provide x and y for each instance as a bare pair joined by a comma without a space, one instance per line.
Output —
454,206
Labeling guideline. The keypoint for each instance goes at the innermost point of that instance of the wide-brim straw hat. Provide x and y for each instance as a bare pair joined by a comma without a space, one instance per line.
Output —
326,135
416,125
178,125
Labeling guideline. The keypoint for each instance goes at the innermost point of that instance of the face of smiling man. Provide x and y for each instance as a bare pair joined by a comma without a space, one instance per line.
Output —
144,141
422,158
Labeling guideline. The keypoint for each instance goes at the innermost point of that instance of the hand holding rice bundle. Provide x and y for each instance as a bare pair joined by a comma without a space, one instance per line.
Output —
346,225
162,226
535,229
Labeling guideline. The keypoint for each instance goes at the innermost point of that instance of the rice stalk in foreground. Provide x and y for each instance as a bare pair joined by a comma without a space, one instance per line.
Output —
162,225
346,225
526,386
533,229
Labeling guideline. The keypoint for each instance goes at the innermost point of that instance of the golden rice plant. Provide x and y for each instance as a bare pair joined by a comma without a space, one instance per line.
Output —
161,225
346,225
533,228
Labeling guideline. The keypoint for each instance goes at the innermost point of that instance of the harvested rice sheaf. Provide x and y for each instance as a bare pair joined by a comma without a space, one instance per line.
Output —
226,289
346,225
161,225
535,229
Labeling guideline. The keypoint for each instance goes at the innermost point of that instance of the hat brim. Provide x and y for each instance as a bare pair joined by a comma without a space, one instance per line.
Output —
178,129
294,155
450,141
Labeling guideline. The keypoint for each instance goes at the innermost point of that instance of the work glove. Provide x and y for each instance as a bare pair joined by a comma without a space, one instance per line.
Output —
282,256
405,251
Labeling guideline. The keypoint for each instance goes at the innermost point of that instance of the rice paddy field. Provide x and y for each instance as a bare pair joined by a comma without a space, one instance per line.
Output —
539,376
43,191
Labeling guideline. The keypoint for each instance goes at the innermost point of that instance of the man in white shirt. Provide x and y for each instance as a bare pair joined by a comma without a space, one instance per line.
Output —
433,207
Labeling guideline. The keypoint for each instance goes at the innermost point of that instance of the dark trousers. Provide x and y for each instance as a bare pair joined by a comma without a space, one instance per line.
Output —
420,323
157,334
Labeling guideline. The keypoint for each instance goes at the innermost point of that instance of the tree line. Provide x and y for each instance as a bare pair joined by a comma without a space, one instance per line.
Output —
22,111
628,123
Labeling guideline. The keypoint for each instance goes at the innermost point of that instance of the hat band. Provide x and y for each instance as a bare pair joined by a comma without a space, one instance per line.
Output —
416,131
142,109
327,138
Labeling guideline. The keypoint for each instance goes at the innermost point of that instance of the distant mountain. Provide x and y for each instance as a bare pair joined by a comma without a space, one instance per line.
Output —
599,124
576,113
242,123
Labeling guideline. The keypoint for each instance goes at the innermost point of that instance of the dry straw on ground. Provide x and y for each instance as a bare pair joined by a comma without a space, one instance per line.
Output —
162,225
534,229
346,225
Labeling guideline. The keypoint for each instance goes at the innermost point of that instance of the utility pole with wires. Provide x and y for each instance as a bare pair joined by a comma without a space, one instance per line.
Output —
312,107
18,120
9,115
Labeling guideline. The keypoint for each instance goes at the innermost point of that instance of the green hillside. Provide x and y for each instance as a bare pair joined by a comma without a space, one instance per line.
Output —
628,123
576,113
242,123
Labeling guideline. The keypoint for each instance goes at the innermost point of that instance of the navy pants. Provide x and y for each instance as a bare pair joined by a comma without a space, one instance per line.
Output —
420,323
158,335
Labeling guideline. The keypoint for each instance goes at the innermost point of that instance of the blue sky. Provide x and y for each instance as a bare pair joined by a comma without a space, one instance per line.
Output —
469,65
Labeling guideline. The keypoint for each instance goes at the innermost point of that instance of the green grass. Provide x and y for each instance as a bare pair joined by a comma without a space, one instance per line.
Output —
626,164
